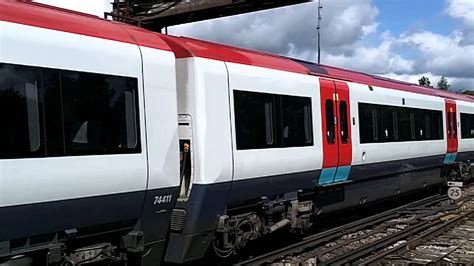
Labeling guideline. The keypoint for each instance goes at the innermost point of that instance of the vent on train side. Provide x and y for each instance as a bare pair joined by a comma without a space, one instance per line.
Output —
178,216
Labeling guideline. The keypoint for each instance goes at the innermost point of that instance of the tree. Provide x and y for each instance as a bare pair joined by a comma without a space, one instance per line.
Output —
424,81
443,84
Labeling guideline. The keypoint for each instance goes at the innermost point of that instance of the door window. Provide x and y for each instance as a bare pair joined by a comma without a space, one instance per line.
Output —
330,122
344,122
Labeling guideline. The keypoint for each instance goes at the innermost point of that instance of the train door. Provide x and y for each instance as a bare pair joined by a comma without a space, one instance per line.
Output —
451,131
337,145
344,130
185,133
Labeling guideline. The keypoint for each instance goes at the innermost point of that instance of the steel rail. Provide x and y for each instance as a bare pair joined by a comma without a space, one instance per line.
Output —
419,239
319,238
363,251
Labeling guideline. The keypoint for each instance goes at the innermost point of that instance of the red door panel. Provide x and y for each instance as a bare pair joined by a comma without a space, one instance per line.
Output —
329,127
336,130
344,123
451,126
455,128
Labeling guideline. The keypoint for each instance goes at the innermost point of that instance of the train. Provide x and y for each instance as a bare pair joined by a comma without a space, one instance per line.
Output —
122,144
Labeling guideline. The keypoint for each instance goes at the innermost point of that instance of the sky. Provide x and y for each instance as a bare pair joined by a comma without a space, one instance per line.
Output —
402,39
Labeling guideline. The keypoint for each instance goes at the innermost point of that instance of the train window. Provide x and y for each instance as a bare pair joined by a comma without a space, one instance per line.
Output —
344,122
308,124
375,130
455,125
398,123
438,124
269,122
412,125
467,126
53,111
395,124
434,125
60,112
366,124
331,137
99,113
428,125
265,120
31,91
296,121
405,124
388,123
20,108
130,118
420,128
450,124
254,120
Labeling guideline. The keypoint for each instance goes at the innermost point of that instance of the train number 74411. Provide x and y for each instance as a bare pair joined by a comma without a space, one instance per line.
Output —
163,199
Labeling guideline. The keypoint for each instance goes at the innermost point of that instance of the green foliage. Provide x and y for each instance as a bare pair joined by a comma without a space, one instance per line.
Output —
443,84
424,81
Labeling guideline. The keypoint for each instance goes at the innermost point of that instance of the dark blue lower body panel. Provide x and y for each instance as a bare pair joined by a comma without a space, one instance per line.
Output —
90,216
365,183
464,156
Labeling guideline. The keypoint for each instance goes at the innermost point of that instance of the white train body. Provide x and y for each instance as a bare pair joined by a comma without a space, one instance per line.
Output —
227,181
62,185
95,114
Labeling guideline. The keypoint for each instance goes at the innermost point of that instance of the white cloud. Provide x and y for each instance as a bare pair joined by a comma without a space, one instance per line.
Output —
439,54
462,9
348,31
291,30
94,7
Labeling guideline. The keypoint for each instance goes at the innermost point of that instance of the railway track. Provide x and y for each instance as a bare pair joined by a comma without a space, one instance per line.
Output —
386,237
450,242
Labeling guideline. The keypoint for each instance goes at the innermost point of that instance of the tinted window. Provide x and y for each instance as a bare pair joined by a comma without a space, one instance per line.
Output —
375,123
296,121
47,112
467,125
455,124
99,113
331,137
20,107
382,123
438,124
53,112
265,120
420,124
434,125
344,122
254,120
396,132
404,125
450,124
368,123
388,121
427,125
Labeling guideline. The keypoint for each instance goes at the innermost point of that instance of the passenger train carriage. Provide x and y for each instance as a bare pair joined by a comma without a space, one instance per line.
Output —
97,118
276,141
87,155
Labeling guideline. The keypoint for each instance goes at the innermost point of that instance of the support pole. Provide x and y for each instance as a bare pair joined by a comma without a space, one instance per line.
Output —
320,7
